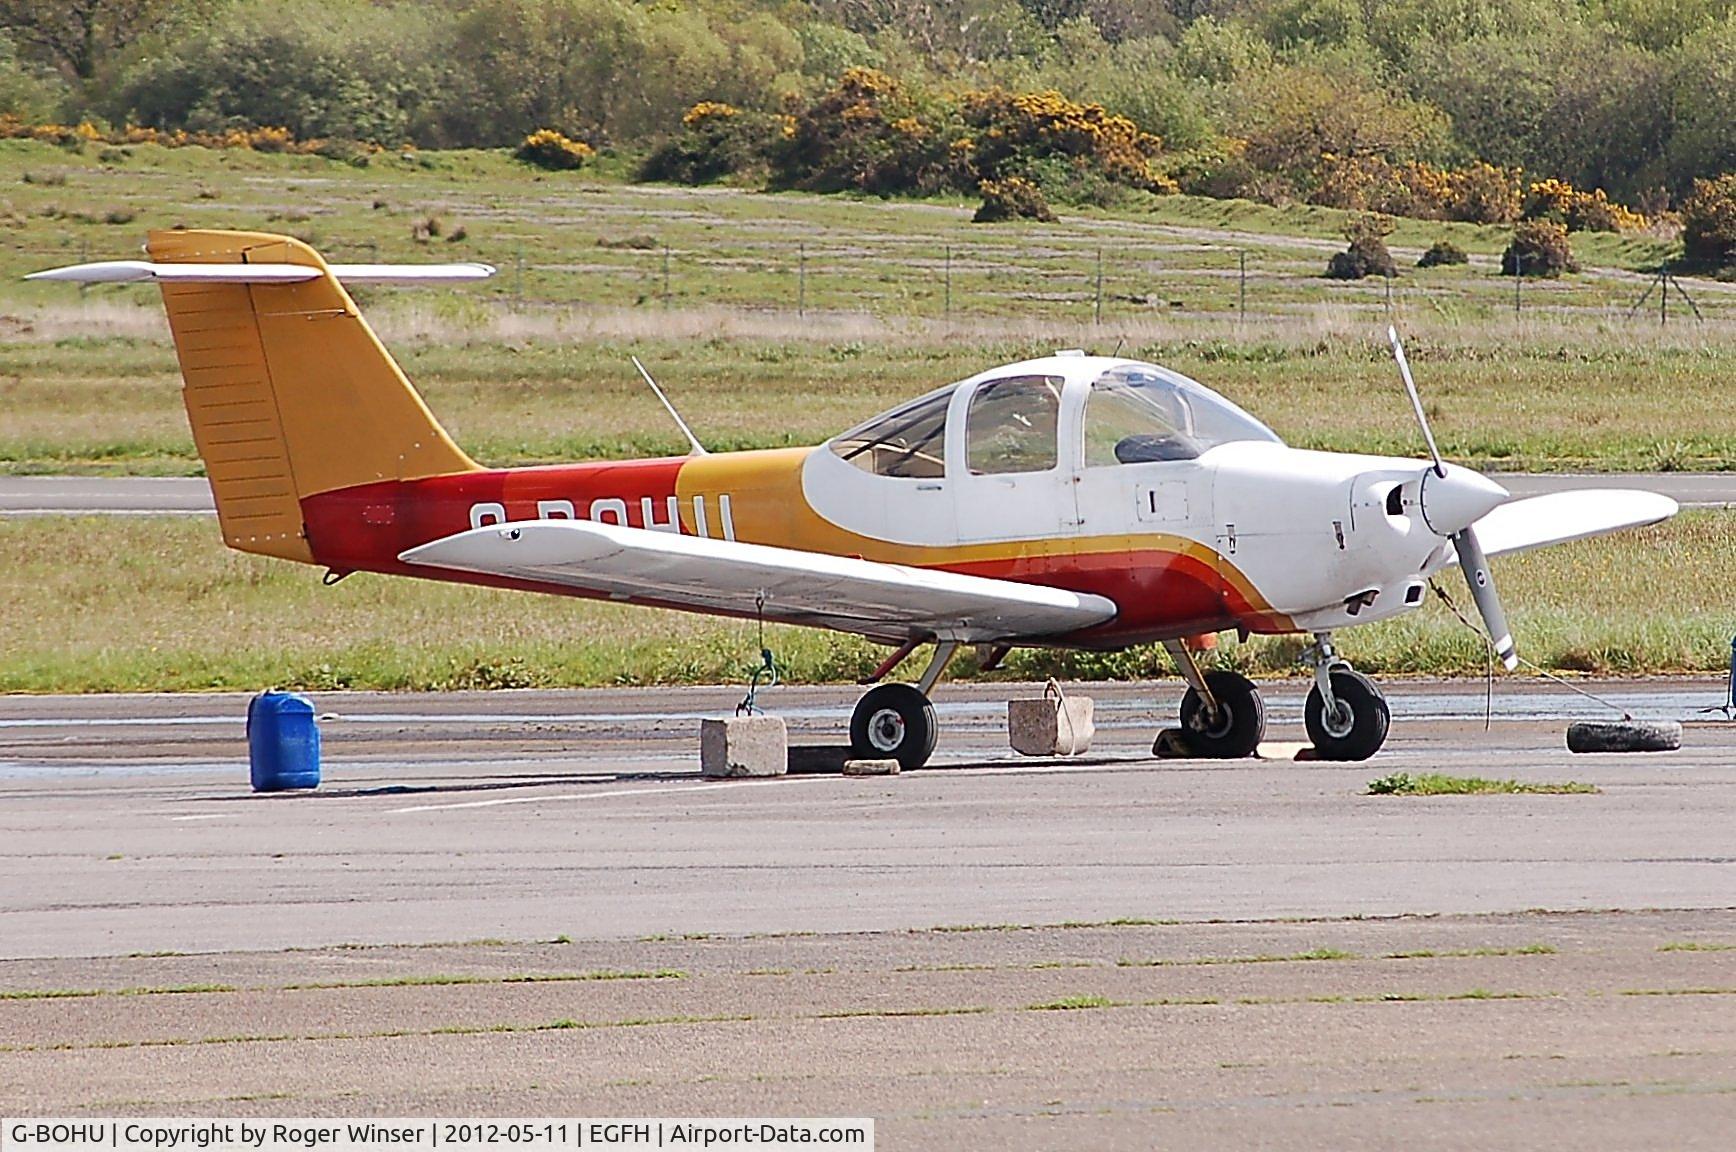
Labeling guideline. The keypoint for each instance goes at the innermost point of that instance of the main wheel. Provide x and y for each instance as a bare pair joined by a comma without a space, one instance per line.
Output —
1239,726
1358,729
893,722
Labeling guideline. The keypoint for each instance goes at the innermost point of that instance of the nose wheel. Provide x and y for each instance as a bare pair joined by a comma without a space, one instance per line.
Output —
1346,713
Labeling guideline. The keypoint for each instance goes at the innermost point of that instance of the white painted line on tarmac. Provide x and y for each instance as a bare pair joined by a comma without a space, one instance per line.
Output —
505,800
208,816
936,771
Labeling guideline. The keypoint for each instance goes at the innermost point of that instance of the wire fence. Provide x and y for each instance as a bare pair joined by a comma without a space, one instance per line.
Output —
1069,280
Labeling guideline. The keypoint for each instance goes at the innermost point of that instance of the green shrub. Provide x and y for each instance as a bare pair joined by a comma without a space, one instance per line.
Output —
1538,248
1443,252
716,140
1578,211
1367,254
1482,194
1011,133
1709,223
1220,170
550,150
1014,198
867,133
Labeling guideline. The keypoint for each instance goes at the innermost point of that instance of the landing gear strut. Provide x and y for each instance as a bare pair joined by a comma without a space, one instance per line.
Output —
1346,713
1222,715
896,721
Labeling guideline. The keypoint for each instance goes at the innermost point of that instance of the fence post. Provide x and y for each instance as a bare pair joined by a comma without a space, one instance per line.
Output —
801,278
518,276
1097,308
949,281
1242,283
665,277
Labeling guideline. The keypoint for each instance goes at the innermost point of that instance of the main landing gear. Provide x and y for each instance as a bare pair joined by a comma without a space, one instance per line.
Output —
1222,714
1346,713
896,721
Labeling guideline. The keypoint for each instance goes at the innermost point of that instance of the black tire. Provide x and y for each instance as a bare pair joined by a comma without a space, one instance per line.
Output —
1624,736
893,722
1241,720
1355,736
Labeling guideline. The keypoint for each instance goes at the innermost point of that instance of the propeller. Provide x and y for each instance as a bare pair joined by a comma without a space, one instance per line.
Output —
1458,498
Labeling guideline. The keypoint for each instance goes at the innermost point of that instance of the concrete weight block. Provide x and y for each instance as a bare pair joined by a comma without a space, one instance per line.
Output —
1051,725
744,746
871,767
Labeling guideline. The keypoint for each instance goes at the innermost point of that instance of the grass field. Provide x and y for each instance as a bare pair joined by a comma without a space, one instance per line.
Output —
784,318
781,319
197,616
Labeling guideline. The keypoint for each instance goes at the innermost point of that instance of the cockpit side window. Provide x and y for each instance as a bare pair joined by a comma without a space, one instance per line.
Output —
1011,425
908,441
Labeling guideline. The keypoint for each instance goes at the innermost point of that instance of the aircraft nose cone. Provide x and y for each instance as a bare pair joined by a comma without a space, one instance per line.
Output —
1458,500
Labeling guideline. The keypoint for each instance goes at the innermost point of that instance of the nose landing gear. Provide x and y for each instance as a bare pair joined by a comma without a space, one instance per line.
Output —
1346,713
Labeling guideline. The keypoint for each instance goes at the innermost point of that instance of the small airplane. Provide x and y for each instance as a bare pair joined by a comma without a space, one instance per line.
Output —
1078,501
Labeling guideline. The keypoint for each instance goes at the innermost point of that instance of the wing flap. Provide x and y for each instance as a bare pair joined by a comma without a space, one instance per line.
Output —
1563,516
884,601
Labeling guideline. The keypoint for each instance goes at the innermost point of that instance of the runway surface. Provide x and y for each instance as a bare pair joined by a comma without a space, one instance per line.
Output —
145,496
530,902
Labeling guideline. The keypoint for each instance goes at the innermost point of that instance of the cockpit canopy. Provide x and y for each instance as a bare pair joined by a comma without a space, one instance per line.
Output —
1133,413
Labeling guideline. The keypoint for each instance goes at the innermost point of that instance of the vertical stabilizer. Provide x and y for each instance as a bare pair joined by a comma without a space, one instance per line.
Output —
288,390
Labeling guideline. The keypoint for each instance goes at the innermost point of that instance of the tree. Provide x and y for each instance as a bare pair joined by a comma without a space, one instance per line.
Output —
76,36
1703,142
1295,117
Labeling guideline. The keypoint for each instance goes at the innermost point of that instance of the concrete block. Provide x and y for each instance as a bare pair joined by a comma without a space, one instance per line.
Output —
870,767
1051,726
744,746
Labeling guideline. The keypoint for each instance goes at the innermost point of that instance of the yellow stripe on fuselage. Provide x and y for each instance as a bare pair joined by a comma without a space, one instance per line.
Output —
767,506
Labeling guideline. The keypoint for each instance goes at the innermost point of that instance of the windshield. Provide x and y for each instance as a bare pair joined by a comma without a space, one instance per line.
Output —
908,441
1138,413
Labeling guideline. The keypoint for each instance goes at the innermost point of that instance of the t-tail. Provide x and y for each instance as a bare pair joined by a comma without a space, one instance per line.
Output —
288,390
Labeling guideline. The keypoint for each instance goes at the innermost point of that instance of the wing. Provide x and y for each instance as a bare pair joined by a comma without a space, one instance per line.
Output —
1563,516
884,601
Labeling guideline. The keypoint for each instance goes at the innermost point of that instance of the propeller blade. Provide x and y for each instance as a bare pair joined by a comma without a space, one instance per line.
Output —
1416,400
1475,565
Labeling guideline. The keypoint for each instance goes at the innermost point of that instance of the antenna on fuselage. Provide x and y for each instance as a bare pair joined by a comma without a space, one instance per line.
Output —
695,448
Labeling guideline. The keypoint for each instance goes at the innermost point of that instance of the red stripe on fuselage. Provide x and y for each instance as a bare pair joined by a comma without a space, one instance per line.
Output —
1160,594
366,528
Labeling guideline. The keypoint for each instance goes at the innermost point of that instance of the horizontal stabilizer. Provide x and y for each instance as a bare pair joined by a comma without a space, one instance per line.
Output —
1563,516
138,271
883,601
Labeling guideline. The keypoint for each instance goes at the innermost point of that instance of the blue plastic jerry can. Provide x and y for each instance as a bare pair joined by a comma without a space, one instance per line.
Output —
282,742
